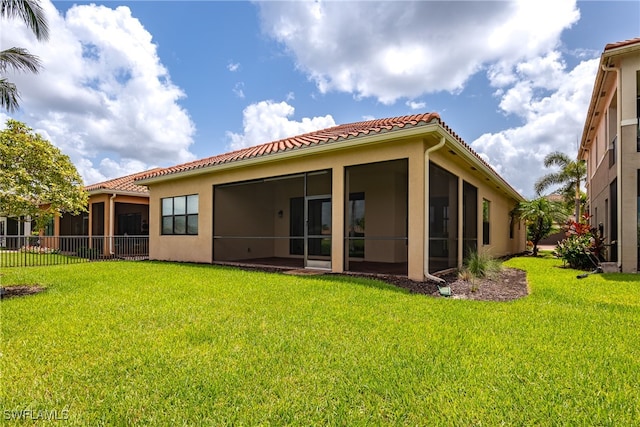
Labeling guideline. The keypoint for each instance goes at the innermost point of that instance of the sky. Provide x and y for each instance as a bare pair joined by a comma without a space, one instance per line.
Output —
132,85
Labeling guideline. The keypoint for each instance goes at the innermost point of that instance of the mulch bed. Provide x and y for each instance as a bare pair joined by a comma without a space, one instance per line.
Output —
509,285
13,291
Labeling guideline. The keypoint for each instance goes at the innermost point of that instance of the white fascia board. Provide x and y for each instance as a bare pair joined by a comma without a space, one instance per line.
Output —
117,192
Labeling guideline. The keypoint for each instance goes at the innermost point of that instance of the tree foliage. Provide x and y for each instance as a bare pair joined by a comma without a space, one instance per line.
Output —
16,58
36,178
540,215
569,177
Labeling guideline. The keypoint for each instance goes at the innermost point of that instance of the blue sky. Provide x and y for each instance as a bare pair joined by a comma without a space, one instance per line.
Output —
132,85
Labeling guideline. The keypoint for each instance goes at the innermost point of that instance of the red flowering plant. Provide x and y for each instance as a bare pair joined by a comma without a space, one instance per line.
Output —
583,248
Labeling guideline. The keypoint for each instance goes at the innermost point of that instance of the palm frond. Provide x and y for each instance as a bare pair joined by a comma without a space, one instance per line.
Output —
557,158
19,59
31,13
9,96
547,181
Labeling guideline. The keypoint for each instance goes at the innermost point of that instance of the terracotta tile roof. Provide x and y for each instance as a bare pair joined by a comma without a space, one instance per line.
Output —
621,44
122,184
330,135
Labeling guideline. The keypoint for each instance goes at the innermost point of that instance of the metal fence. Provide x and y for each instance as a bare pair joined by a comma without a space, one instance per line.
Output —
24,251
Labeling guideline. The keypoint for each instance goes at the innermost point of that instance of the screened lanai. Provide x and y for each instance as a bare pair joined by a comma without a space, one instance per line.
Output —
287,220
283,221
376,219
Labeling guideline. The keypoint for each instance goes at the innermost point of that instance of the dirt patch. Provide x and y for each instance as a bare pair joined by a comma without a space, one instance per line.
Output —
13,291
509,284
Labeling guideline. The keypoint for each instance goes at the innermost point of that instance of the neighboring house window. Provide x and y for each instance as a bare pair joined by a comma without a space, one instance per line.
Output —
180,215
48,227
486,213
612,151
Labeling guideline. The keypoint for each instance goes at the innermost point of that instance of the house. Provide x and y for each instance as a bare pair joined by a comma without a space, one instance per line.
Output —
10,230
610,146
117,208
402,195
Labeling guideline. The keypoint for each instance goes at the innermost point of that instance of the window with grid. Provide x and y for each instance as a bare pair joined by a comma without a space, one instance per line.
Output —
180,215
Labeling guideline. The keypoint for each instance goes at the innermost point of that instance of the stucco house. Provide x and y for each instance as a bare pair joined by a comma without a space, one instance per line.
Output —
402,195
10,228
610,145
118,207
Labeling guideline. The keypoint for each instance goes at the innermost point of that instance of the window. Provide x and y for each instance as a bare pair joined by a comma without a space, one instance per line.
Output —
486,212
612,151
180,215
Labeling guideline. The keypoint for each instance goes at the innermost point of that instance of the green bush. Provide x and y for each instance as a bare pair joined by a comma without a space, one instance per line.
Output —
481,264
575,251
583,248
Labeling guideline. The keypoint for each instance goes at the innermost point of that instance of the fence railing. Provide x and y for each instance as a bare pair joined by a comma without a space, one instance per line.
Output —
23,251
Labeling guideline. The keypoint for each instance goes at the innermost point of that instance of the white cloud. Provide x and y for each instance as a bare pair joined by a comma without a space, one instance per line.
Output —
238,89
103,93
233,66
268,121
552,121
412,48
418,48
416,105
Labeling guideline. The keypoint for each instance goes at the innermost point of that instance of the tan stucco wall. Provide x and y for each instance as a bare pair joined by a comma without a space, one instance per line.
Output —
630,163
199,248
619,118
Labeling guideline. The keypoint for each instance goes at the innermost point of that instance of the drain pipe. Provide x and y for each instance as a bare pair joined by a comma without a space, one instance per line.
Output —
426,211
620,238
112,216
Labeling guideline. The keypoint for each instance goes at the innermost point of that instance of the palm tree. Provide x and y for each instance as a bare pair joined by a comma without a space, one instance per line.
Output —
540,215
16,58
570,175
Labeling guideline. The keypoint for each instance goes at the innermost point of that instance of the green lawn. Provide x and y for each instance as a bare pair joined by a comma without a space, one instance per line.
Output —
169,344
21,259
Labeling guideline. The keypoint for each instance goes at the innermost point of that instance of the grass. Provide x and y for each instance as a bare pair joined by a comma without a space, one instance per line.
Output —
21,259
169,344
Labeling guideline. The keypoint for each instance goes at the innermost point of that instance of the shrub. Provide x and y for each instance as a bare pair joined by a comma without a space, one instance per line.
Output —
481,264
583,248
38,250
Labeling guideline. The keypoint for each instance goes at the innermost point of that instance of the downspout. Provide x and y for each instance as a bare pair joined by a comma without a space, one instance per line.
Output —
112,216
618,158
426,211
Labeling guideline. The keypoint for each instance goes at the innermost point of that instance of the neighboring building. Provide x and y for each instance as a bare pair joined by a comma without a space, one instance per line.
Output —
117,207
611,147
10,229
402,195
